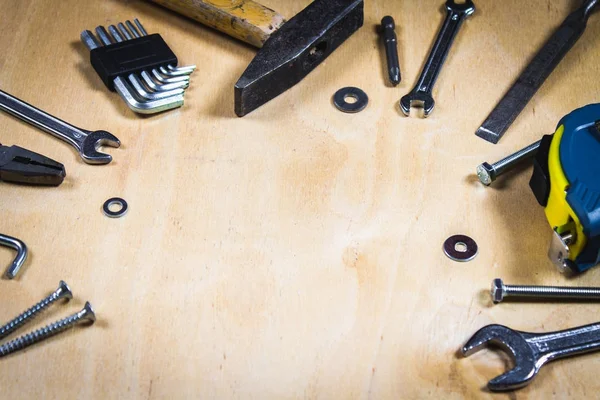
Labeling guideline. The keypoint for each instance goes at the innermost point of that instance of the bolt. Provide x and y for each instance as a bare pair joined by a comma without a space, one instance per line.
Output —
85,315
489,173
500,291
63,292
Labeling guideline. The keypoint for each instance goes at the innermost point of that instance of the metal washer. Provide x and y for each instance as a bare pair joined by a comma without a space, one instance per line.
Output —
461,256
115,214
339,99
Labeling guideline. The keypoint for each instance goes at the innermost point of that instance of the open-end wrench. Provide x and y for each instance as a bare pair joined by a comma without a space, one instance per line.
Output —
86,142
421,95
531,351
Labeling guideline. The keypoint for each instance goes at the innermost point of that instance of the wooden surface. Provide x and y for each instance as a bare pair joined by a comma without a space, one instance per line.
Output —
294,253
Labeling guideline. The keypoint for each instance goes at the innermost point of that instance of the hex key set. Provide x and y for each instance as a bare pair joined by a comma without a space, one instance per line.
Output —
141,68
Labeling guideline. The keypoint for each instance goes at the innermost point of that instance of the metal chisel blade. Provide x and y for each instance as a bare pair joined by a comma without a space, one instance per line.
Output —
536,73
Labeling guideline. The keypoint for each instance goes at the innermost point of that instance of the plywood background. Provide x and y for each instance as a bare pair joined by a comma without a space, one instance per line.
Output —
294,253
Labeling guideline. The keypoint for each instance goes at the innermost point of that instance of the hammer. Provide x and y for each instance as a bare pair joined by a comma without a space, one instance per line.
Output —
288,51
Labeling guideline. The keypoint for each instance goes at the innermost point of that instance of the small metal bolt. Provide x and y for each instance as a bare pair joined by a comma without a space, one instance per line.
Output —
85,315
489,173
63,292
500,291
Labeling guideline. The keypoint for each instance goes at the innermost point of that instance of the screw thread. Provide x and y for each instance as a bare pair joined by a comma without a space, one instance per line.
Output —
45,332
553,291
28,315
512,160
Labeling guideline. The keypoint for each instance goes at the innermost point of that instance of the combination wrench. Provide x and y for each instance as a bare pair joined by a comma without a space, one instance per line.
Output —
421,95
86,142
531,351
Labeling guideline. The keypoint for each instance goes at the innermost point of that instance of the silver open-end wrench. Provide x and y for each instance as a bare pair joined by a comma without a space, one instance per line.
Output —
421,95
531,351
86,142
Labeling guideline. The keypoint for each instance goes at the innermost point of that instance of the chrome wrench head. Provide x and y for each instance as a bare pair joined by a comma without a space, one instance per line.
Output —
467,7
422,94
90,144
531,351
516,346
86,142
418,99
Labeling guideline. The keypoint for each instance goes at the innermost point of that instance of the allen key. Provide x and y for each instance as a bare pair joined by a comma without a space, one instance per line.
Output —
21,248
148,83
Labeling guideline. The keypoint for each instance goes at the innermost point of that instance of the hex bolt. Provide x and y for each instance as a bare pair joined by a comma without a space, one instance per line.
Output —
63,292
489,173
85,315
500,291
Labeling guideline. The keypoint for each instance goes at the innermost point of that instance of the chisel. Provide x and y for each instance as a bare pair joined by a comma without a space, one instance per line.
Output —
536,73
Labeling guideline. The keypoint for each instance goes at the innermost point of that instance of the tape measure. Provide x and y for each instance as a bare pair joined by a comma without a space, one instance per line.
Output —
566,182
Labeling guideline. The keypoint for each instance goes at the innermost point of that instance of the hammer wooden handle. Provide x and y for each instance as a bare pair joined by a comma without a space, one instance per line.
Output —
246,20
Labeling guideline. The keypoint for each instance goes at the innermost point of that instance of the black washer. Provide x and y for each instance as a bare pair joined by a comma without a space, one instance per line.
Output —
115,214
339,99
461,256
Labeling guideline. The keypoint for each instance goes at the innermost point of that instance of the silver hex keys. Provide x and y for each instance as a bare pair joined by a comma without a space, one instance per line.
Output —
140,67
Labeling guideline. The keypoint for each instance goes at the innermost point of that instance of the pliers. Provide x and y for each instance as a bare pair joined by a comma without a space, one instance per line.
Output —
19,165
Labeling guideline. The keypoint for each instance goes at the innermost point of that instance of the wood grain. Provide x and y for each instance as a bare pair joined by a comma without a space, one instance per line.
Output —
245,20
295,252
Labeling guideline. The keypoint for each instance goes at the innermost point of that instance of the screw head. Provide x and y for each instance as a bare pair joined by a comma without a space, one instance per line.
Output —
64,291
486,174
87,314
498,291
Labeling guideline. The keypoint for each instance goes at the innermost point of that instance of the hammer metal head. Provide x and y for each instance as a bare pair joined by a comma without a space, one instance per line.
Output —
295,50
514,343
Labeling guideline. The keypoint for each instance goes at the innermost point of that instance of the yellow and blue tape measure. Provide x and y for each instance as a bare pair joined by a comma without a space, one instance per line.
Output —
566,182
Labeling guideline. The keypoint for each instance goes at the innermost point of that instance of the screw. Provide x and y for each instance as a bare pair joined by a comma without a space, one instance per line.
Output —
489,173
500,291
63,292
85,315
